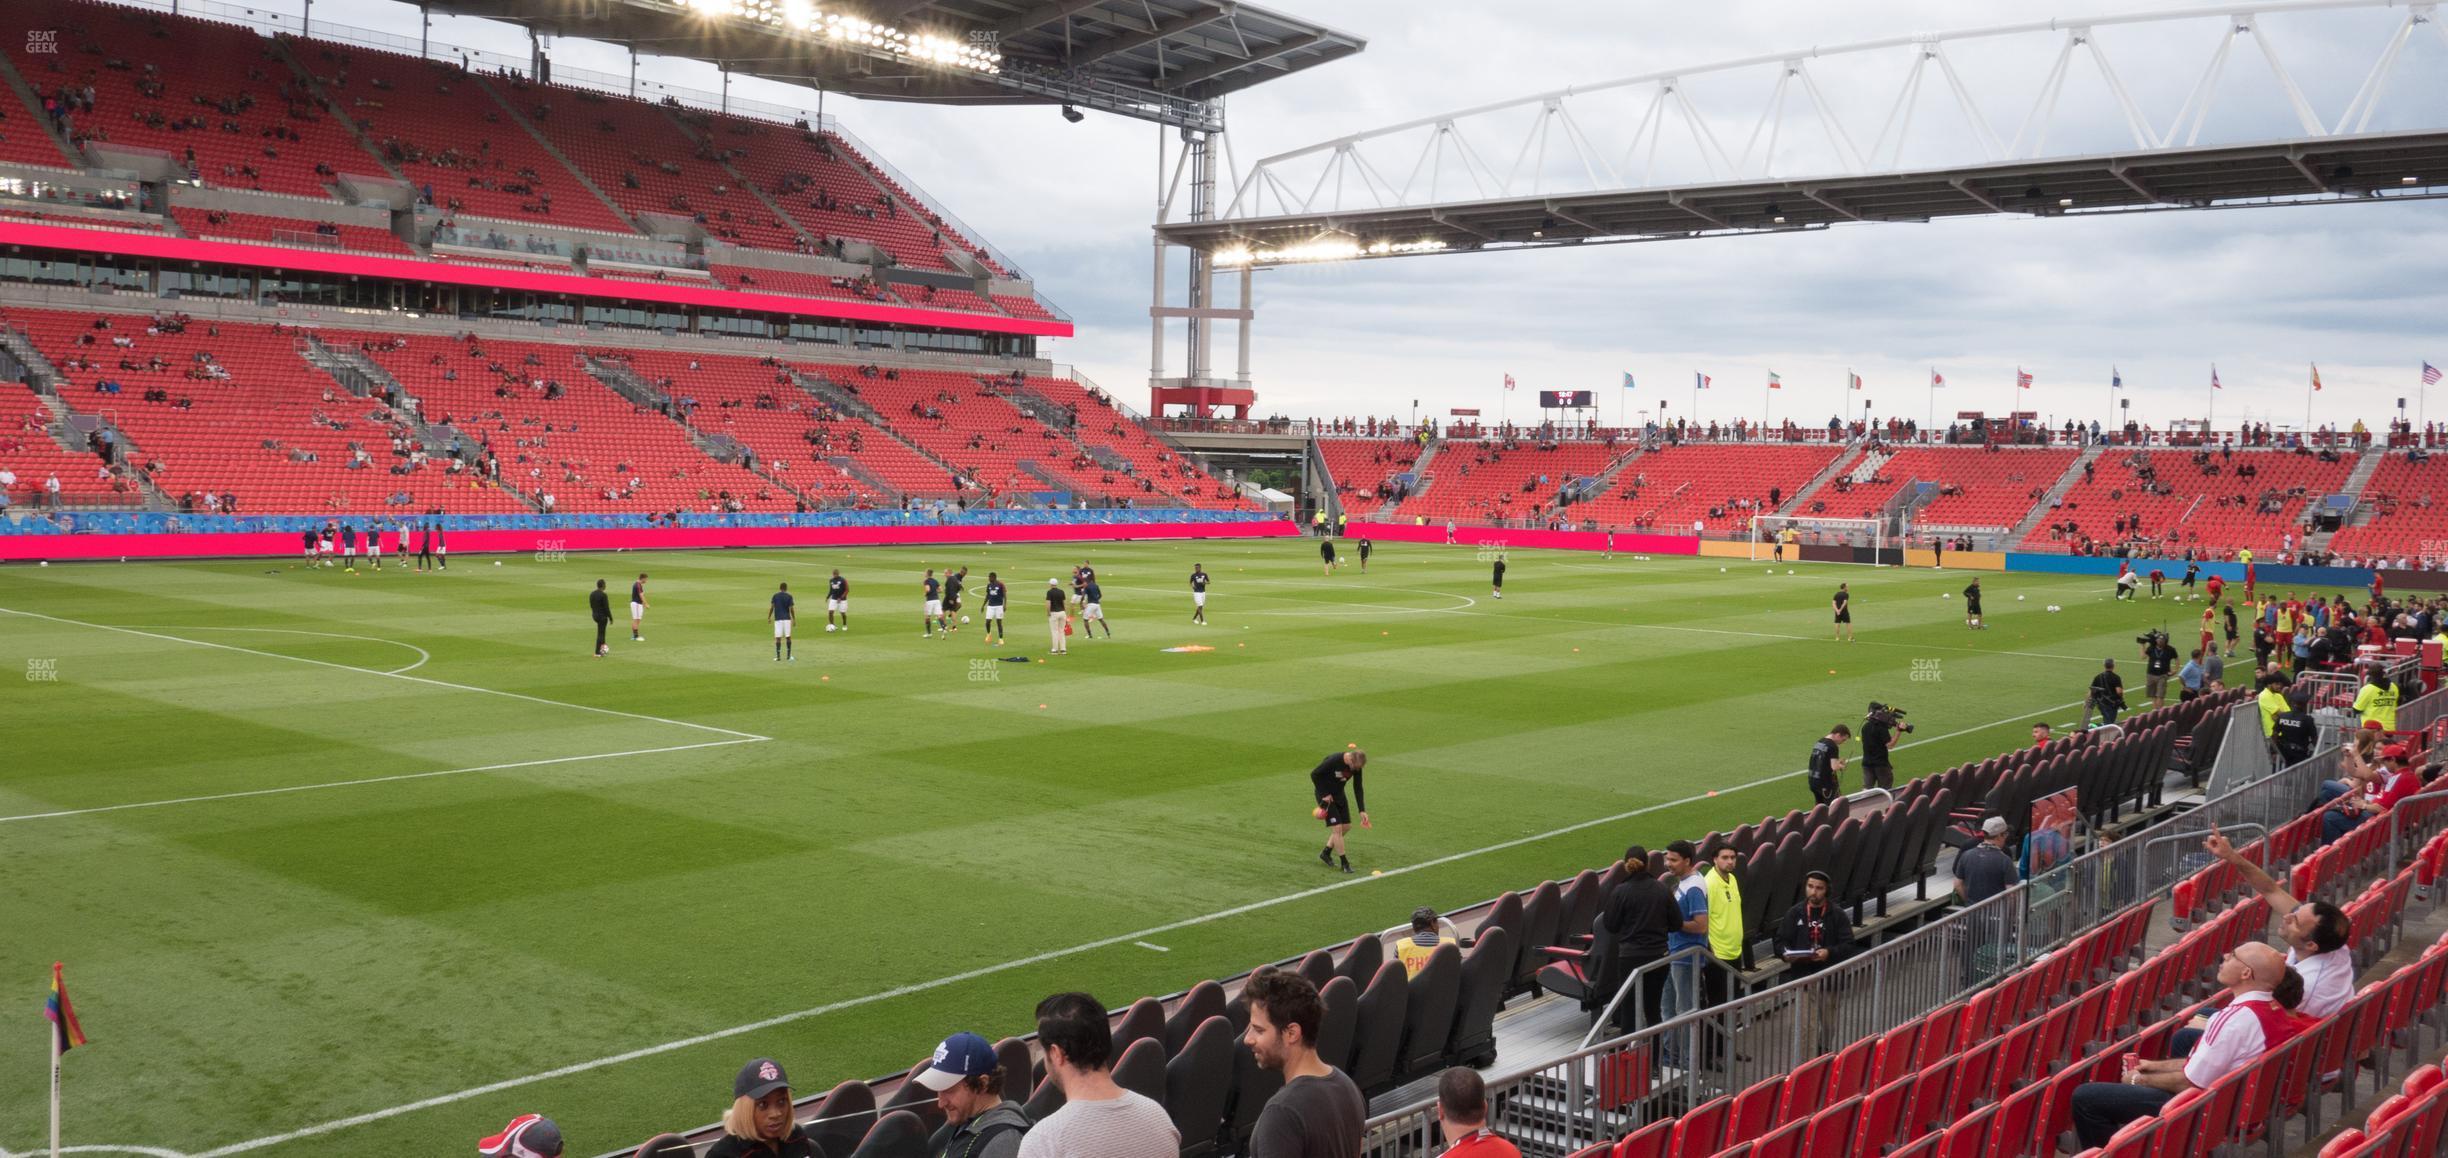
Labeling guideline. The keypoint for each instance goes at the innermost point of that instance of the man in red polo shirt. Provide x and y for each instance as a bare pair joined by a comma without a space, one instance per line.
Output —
1462,1109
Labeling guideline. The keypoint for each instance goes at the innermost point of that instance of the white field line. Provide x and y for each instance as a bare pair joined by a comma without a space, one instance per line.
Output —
66,812
388,675
423,656
1130,938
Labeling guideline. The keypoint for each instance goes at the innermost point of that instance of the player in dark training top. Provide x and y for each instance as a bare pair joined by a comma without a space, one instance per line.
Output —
1328,783
1198,593
1326,552
1500,570
1365,547
994,610
637,609
780,613
1844,612
1972,611
837,600
953,582
932,609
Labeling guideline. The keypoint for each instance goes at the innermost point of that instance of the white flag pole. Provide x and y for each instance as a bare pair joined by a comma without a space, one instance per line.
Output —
56,1033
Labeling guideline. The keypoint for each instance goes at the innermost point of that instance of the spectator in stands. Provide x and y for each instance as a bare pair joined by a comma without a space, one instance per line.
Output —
1098,1118
2042,734
1427,932
1641,914
2258,1018
2315,933
1691,907
1319,1112
2370,790
979,1122
1728,940
1813,935
1462,1111
759,1121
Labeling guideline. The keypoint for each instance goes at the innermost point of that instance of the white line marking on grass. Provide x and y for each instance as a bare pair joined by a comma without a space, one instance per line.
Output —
389,675
96,1148
375,780
1157,948
1135,937
423,657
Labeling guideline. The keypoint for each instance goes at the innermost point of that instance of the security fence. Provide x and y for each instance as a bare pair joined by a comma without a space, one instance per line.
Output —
1608,1089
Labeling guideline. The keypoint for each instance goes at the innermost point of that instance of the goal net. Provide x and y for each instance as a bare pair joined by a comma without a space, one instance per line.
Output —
1795,531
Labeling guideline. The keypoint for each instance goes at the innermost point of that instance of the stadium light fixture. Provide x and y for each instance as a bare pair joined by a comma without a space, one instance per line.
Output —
1323,248
1073,115
2408,180
852,31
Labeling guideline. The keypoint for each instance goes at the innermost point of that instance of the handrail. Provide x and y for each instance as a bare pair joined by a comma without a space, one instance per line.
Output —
1635,976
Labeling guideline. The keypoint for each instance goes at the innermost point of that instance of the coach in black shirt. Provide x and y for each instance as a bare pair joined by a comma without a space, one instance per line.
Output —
1825,764
2107,693
600,602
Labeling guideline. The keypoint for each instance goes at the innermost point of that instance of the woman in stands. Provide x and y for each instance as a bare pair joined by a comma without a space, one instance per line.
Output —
759,1121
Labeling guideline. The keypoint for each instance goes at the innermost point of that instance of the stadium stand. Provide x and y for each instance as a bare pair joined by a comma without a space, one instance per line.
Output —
2408,511
1362,467
1117,438
1492,479
643,158
783,281
1720,486
216,98
1978,487
31,455
794,434
441,128
825,186
2174,500
222,225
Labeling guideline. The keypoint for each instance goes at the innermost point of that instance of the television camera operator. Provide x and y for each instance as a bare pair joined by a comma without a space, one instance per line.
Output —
1879,728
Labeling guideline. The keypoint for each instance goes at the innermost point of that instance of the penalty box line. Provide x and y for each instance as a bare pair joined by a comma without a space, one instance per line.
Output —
427,680
576,1068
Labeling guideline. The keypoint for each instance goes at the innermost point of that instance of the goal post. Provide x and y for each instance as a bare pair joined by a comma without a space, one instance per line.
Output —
1808,531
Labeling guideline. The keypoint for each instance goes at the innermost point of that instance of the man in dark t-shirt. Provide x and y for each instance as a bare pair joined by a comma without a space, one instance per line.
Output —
1972,608
1319,1112
1844,612
931,609
1825,763
837,600
1055,619
995,596
1365,547
1326,553
1499,575
2107,694
780,610
1328,783
954,581
1198,593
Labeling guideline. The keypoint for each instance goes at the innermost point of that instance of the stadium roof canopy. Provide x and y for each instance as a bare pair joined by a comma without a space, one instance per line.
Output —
2356,168
1159,60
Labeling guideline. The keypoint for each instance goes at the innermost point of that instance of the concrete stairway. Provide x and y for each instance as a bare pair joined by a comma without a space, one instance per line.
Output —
2048,500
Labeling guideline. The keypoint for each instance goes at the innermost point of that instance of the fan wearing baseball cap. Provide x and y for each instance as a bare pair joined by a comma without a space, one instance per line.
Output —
759,1121
979,1122
527,1136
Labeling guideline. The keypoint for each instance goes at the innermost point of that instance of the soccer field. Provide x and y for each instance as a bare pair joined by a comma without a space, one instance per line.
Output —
365,864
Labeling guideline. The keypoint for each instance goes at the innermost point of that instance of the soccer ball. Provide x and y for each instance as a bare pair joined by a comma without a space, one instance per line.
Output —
1946,595
1789,570
1317,814
44,563
497,562
2053,607
964,619
1721,570
2018,599
828,627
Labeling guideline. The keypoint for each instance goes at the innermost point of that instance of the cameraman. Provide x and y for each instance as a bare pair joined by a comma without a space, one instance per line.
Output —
2107,695
1825,764
1879,730
2159,662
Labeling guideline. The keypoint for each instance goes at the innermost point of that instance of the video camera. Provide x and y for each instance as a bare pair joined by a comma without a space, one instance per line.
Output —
2148,638
1893,717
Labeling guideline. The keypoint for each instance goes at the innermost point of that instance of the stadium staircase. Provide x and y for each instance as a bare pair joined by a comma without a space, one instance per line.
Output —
754,189
511,113
2357,514
365,377
286,48
32,114
2048,501
1419,475
1835,470
848,402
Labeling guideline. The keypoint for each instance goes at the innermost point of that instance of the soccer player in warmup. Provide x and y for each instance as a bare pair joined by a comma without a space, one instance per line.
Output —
837,600
1198,593
2230,615
2209,630
1500,570
1326,552
1364,554
424,547
637,609
2217,587
2246,558
994,610
1092,607
1844,612
599,602
2191,575
1055,619
307,536
779,612
348,549
441,550
1328,782
953,582
374,545
931,612
1972,611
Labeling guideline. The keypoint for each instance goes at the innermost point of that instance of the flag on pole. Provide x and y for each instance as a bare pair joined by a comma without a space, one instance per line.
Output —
1628,381
2116,378
1937,379
1700,381
1774,381
2022,378
1508,381
2214,382
1854,379
2316,377
2430,374
66,1033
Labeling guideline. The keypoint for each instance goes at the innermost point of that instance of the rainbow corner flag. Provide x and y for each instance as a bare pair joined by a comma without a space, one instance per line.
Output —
67,1033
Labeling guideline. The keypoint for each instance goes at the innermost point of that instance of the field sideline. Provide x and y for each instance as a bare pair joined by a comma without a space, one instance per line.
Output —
366,864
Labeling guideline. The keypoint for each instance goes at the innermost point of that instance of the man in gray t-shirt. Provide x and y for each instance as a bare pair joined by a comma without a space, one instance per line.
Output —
1319,1113
1986,869
1098,1119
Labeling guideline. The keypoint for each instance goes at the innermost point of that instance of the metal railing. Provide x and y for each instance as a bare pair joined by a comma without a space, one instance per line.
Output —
1605,1090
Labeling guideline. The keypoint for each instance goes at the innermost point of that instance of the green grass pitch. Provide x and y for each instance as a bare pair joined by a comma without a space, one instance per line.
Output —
393,854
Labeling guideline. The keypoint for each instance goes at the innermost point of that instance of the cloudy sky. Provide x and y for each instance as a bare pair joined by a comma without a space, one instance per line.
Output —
2262,293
